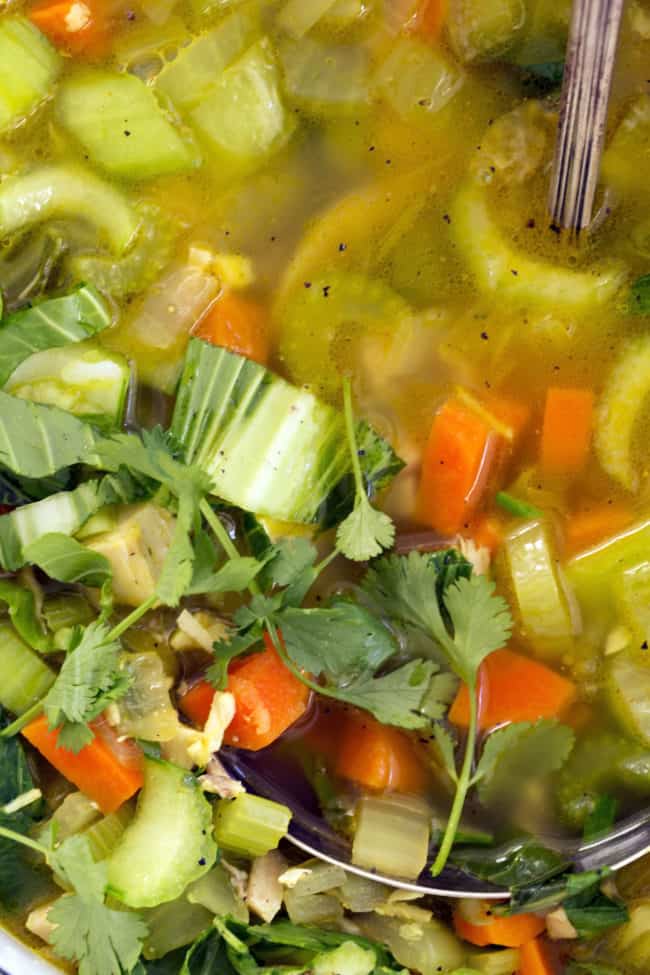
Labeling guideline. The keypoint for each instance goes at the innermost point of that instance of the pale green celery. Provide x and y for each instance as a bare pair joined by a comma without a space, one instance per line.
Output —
215,892
242,119
104,520
593,574
60,191
392,835
84,379
121,126
632,590
324,78
319,909
321,878
190,77
75,814
173,925
360,894
297,17
146,710
104,835
25,679
250,825
418,79
65,610
29,66
619,411
484,29
541,594
493,261
627,684
436,949
503,962
624,162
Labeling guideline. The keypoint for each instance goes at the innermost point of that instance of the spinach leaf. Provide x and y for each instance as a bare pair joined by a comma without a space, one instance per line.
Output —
589,910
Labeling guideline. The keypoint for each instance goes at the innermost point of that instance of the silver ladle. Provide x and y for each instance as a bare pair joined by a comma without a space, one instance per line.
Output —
585,94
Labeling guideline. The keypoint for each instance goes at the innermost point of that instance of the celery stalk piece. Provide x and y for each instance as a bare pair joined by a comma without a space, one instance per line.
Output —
25,678
216,893
436,949
83,379
104,835
65,610
118,121
190,77
627,682
620,409
243,120
392,835
632,591
325,78
542,596
626,157
418,80
593,573
249,824
298,17
484,29
61,191
29,66
173,925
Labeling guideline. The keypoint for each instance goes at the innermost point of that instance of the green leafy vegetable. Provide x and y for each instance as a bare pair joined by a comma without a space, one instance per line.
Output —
38,441
601,819
639,300
67,560
23,614
365,531
515,506
588,909
513,755
50,324
87,682
523,865
235,575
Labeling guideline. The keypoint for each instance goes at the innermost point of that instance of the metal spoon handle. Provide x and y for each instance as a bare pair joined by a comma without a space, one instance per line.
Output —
585,93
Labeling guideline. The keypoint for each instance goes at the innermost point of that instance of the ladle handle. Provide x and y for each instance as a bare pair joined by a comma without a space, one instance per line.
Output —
587,82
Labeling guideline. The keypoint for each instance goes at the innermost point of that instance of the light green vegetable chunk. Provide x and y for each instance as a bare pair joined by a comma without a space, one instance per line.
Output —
484,29
625,163
25,678
29,66
620,408
628,691
250,825
417,79
120,124
392,835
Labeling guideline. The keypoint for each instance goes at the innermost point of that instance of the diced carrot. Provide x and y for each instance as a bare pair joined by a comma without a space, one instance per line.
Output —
513,414
514,688
238,324
566,431
457,460
195,703
379,756
96,770
594,524
534,959
79,26
268,696
507,932
431,18
486,531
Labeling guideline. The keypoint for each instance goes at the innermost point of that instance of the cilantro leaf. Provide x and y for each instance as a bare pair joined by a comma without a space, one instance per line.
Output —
441,692
447,749
234,575
289,559
176,573
88,680
513,755
365,531
65,559
405,588
394,698
100,940
481,623
227,650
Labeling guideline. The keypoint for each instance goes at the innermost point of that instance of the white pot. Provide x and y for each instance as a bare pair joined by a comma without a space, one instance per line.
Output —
17,959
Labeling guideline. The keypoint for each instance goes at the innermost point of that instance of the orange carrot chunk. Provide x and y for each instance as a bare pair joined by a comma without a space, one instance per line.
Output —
456,463
514,688
378,756
534,959
431,17
238,324
78,26
566,431
507,932
196,702
96,770
594,524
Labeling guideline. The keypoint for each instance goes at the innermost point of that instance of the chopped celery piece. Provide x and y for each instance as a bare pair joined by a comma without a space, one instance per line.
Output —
484,29
173,925
298,17
632,588
620,409
626,158
324,78
417,79
249,824
320,909
167,845
104,835
29,66
593,573
57,191
242,119
146,710
63,512
51,324
25,678
65,610
360,894
435,950
320,878
121,126
215,892
536,282
75,814
627,682
104,521
392,835
542,597
502,962
627,946
190,77
269,447
83,379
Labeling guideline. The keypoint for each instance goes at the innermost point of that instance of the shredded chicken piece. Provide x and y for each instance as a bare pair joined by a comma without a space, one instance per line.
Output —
218,782
238,879
190,747
198,631
37,922
479,556
265,892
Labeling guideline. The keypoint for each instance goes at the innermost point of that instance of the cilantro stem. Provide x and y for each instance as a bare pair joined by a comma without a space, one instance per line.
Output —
352,437
9,834
24,719
131,619
462,787
224,539
288,662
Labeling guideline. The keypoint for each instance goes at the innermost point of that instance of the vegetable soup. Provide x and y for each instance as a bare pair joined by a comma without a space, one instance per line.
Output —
319,445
